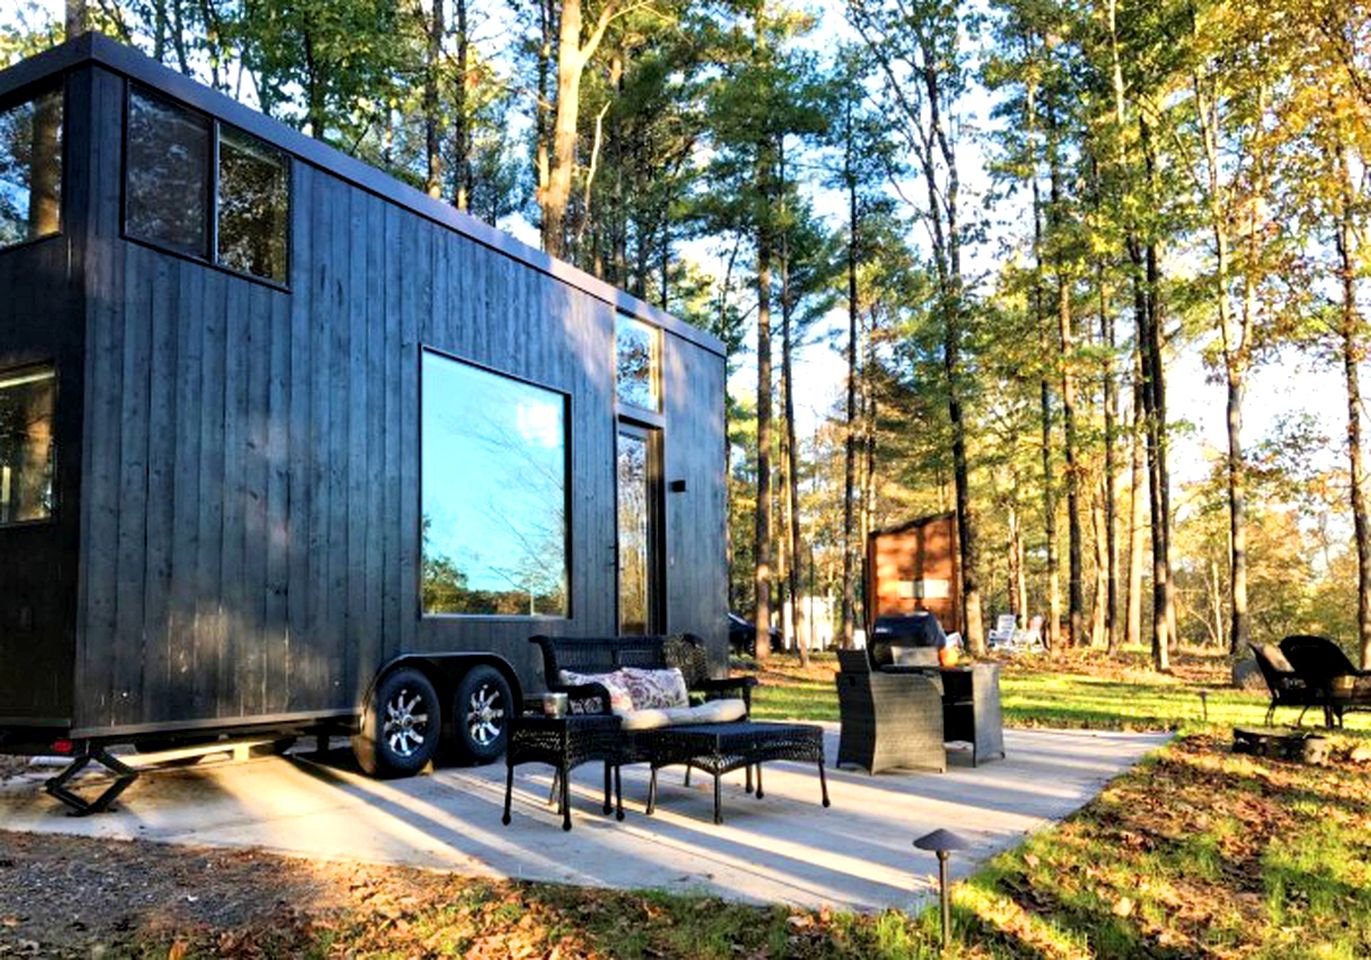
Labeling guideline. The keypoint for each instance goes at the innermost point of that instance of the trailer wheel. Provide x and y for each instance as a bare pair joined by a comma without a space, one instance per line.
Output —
480,716
400,727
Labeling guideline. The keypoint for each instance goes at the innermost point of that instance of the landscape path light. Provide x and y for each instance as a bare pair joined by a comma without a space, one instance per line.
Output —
943,842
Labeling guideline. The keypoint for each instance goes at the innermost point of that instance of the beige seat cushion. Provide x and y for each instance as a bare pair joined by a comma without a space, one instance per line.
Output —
711,711
644,719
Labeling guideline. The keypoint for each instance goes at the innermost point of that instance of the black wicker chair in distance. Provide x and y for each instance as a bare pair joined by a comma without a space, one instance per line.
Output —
1287,688
1338,686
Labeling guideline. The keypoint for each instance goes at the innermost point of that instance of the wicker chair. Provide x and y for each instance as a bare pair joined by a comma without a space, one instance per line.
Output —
889,720
1334,683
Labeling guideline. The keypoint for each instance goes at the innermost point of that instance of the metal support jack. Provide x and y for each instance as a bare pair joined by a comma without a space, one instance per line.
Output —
81,807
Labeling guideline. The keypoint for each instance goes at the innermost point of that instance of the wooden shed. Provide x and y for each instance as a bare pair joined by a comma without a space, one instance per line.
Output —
272,420
914,566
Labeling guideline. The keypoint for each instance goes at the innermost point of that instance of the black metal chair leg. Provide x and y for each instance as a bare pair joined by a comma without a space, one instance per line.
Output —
718,802
823,783
759,782
748,785
609,806
566,799
618,794
687,776
509,791
555,791
652,792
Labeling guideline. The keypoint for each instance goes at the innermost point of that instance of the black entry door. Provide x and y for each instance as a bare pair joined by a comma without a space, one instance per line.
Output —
640,533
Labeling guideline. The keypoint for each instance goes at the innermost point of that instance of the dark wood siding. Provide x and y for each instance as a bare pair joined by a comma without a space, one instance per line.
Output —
696,572
40,323
251,460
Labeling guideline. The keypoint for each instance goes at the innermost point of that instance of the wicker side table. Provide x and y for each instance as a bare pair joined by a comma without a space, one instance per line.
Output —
719,748
565,743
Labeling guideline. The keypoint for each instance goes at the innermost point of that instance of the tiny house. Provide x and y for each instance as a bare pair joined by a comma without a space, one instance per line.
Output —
914,567
277,429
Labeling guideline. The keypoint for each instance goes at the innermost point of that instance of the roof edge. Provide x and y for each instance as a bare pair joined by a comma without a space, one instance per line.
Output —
109,53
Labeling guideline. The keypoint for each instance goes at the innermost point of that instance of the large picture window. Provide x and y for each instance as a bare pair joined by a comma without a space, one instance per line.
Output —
27,448
205,189
31,169
494,493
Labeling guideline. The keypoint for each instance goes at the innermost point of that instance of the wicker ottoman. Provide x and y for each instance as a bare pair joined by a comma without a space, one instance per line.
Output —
719,748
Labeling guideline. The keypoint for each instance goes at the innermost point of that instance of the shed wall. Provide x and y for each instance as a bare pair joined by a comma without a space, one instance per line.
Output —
917,557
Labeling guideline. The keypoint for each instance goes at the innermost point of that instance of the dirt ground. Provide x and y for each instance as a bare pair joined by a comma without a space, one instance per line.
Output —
78,897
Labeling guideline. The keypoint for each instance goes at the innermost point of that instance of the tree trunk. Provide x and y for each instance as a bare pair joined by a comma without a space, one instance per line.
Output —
1054,588
433,119
1136,531
763,572
848,612
792,484
44,211
77,17
1111,477
868,419
572,57
462,134
1352,354
1066,342
1099,636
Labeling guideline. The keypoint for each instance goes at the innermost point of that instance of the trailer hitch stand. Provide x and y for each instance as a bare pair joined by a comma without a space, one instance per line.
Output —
81,807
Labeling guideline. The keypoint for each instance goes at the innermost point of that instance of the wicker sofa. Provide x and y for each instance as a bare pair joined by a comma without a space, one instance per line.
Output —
590,655
689,736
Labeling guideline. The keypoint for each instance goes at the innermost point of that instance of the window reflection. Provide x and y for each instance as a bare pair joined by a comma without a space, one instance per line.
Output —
31,169
494,471
635,531
635,362
27,447
254,193
167,192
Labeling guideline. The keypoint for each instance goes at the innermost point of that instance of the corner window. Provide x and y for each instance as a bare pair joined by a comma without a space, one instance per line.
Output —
31,169
167,190
27,448
254,202
204,189
494,493
636,362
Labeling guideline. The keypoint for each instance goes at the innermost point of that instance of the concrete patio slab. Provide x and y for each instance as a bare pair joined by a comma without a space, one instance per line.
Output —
856,855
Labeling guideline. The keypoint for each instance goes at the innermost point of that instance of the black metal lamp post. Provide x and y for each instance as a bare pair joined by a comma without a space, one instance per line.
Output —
943,842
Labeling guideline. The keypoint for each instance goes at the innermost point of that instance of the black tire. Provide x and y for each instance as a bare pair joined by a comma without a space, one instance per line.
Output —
400,727
481,709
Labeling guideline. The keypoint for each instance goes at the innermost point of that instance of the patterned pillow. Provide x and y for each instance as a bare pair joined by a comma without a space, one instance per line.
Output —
655,689
619,700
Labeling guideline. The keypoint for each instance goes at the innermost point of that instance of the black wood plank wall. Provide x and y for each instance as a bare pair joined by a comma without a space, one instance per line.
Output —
251,456
40,311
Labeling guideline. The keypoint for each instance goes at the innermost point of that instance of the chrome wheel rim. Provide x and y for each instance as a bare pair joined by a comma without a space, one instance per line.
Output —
485,715
406,723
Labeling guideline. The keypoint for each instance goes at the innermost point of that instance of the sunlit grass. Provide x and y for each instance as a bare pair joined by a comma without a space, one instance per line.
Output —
1048,693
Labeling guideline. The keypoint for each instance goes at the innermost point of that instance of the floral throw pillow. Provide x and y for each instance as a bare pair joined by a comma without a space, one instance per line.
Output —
620,701
655,689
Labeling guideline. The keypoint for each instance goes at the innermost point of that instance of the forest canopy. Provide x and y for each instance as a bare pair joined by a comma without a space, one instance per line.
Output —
1020,231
